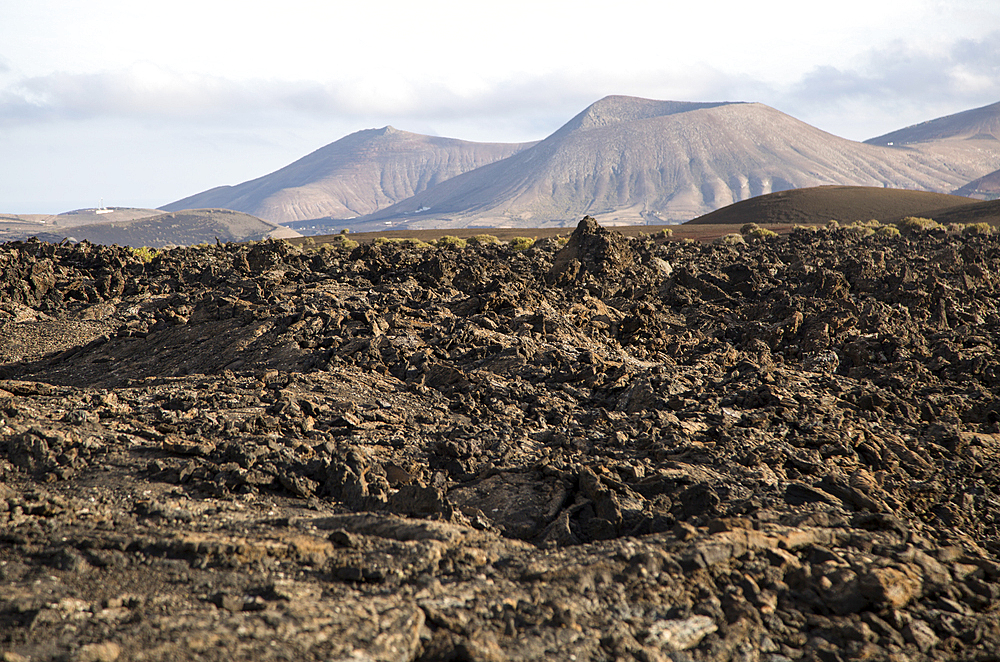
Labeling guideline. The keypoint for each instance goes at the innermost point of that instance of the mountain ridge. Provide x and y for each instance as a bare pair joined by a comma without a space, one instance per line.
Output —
356,175
679,162
623,160
976,123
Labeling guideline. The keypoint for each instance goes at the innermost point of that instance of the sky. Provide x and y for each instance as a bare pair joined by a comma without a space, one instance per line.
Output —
139,104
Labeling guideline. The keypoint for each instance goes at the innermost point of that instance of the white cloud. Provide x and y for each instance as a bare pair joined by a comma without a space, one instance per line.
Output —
213,95
896,85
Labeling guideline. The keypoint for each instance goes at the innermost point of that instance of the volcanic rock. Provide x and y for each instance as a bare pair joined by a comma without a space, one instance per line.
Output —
779,449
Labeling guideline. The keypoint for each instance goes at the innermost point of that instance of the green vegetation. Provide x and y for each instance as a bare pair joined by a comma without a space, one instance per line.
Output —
732,239
340,242
888,231
864,228
562,240
145,254
665,233
915,224
407,242
483,240
521,243
449,240
977,229
754,231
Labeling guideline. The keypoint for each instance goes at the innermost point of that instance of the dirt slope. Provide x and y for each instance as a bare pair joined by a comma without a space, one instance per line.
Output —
841,203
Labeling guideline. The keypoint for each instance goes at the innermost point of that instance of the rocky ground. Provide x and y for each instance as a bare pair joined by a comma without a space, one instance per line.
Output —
785,449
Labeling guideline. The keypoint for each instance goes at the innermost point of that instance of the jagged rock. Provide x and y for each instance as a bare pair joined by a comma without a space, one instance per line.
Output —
618,447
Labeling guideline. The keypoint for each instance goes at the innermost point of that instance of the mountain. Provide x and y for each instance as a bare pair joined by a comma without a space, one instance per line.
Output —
627,160
976,124
102,215
841,203
185,228
356,175
984,188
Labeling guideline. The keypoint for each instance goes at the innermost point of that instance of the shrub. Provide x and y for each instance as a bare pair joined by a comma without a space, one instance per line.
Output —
832,224
345,231
732,239
408,242
521,243
665,233
449,240
888,231
760,233
914,224
973,229
339,242
748,228
483,240
562,240
145,254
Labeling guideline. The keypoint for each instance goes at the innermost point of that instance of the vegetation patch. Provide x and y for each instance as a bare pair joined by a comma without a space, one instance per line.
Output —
450,241
917,224
977,229
732,239
521,243
145,254
483,240
754,231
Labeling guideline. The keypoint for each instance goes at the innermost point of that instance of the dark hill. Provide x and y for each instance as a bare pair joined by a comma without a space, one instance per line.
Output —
824,203
977,212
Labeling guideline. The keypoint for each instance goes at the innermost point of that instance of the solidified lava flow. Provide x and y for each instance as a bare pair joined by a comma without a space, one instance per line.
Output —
782,448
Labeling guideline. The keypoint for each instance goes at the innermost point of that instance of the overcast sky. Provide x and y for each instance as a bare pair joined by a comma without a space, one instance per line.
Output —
144,103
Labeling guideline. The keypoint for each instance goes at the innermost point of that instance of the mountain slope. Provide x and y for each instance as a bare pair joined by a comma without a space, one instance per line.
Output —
825,203
356,175
184,228
628,160
984,188
975,124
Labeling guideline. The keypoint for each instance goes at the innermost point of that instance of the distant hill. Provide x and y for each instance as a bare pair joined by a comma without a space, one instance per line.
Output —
356,175
976,124
978,212
824,203
626,160
173,229
984,188
95,215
